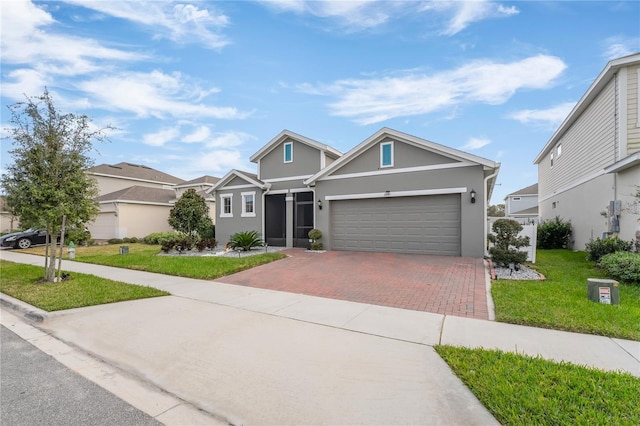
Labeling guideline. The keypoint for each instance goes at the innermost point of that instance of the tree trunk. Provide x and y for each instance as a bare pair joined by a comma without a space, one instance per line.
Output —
64,219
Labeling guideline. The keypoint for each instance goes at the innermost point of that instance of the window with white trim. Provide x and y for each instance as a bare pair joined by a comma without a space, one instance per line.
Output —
248,204
226,205
552,160
386,154
288,152
559,150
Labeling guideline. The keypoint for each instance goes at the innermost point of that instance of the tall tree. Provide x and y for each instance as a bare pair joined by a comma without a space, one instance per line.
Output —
495,210
46,185
190,214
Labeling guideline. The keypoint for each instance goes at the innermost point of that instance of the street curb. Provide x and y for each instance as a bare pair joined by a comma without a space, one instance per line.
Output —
29,312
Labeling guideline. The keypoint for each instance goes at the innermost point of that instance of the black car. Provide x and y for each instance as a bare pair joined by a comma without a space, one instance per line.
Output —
24,239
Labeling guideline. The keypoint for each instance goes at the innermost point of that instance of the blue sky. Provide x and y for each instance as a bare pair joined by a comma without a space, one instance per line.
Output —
197,87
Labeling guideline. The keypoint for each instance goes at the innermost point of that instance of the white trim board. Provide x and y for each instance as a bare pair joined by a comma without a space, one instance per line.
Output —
394,194
397,171
286,179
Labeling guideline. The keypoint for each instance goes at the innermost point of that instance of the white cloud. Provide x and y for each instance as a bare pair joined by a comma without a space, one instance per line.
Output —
370,101
26,39
551,116
198,135
476,143
154,94
218,161
161,137
167,19
467,12
228,139
617,47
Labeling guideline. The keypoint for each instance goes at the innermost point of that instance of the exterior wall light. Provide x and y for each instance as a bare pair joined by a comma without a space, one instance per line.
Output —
319,204
473,196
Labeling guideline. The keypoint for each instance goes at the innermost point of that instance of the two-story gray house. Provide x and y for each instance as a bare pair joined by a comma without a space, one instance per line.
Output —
522,205
393,192
589,171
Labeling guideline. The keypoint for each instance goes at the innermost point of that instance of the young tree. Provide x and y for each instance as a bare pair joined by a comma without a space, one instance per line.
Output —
190,214
495,210
46,185
507,242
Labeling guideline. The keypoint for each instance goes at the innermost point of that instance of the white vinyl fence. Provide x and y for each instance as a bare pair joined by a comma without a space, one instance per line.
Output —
529,230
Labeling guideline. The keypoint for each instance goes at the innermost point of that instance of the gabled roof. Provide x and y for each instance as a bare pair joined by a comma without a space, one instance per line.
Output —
529,190
402,137
140,194
531,211
134,172
250,178
286,134
596,87
202,180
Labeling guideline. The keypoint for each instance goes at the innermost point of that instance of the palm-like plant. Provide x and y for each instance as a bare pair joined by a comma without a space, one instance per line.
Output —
245,240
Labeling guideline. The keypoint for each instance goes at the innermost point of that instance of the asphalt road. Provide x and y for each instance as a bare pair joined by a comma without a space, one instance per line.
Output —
35,389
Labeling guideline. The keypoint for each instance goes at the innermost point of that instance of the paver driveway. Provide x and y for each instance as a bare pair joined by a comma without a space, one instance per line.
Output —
440,284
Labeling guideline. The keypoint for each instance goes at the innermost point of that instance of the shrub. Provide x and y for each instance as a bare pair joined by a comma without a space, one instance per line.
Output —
115,241
206,243
160,237
246,240
207,231
554,234
622,266
598,248
130,240
315,235
79,236
506,243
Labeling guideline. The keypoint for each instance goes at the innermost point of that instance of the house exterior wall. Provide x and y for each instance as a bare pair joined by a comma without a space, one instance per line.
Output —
8,222
136,220
306,162
227,226
405,155
472,215
522,202
577,187
633,109
108,184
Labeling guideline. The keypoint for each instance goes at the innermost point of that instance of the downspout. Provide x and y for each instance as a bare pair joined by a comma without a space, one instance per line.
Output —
486,206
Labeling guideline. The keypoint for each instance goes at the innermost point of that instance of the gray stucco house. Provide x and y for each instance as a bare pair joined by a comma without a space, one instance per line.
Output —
393,192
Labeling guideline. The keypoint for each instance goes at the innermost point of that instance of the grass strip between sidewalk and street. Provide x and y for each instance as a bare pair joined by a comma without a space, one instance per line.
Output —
560,302
143,257
24,283
524,390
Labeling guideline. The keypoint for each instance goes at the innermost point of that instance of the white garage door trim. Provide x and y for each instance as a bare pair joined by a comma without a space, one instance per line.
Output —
390,194
428,224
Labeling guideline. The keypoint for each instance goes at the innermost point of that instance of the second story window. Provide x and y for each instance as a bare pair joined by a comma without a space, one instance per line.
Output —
386,154
552,160
288,152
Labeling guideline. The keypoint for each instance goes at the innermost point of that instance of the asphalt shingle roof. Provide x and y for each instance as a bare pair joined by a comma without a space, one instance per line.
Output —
135,171
141,194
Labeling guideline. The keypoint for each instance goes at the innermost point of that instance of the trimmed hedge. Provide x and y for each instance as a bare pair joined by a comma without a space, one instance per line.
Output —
622,266
598,248
554,234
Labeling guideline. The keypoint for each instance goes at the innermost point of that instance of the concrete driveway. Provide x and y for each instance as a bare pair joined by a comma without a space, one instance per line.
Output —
439,284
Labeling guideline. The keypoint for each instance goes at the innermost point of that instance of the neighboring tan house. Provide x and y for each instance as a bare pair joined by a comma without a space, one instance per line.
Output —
135,200
8,222
201,185
393,192
589,171
522,204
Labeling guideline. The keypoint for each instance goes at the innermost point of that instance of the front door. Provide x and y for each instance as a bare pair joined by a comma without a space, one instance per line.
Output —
302,218
275,220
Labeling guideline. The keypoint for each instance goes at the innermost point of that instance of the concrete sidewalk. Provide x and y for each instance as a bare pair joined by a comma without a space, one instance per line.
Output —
252,356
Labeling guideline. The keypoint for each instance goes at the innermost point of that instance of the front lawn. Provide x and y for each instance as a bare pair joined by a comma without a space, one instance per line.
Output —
22,282
145,257
561,301
523,390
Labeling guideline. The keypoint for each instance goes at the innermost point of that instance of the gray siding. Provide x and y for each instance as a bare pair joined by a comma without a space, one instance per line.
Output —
587,147
237,181
525,202
471,215
633,119
405,155
306,162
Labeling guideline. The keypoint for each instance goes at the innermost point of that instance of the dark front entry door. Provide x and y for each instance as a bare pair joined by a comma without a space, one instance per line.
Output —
275,219
303,218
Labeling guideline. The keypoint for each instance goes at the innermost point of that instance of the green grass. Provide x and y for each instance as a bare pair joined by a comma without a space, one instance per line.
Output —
561,301
144,257
22,282
522,390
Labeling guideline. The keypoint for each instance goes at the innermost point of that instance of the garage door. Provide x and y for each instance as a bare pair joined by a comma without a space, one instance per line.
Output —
424,224
104,227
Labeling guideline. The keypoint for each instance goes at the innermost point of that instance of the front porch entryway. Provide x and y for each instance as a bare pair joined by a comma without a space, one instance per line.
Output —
294,220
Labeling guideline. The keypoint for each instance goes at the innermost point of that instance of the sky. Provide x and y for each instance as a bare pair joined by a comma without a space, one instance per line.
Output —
195,88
